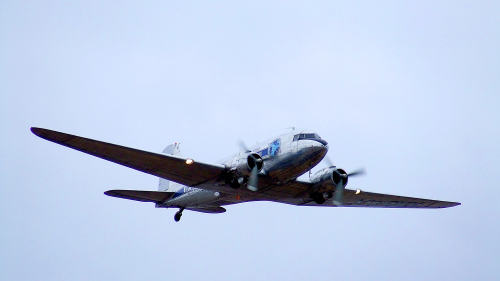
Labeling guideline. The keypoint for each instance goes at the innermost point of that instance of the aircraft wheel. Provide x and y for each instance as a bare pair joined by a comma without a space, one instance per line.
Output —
177,216
330,194
319,199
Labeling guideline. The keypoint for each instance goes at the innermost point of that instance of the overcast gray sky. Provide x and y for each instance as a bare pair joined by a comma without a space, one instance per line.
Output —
410,91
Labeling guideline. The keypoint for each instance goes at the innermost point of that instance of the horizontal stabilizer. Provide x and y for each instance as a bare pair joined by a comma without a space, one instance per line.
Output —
141,195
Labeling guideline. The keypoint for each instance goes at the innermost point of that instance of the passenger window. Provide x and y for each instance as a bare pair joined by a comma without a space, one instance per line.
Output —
296,137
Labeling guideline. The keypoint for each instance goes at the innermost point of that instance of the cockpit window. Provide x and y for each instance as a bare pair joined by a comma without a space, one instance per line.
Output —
305,137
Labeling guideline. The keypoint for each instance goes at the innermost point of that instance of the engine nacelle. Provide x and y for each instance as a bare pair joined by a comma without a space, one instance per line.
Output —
329,177
246,163
242,168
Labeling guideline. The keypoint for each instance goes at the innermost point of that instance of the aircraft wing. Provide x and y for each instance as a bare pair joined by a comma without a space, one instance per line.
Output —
162,165
301,197
377,200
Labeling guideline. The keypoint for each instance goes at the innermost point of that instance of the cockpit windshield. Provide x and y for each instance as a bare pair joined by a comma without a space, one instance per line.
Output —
306,137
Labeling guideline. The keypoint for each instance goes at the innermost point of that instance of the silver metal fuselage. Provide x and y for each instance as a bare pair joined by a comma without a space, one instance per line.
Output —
285,159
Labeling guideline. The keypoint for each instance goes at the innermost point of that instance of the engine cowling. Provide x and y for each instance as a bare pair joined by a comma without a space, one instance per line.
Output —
329,177
246,163
242,168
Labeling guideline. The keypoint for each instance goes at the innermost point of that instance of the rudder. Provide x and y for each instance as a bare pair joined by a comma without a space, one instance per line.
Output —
172,149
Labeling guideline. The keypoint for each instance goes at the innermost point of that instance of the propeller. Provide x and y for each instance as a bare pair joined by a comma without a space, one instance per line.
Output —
243,146
339,190
254,175
329,162
358,172
338,199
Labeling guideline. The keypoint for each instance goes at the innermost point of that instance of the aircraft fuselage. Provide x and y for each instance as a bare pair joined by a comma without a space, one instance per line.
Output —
285,157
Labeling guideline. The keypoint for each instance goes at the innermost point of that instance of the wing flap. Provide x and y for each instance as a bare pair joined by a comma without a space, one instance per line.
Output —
165,166
141,195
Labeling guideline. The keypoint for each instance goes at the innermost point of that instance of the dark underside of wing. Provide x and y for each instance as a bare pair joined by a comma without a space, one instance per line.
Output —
162,165
377,200
301,197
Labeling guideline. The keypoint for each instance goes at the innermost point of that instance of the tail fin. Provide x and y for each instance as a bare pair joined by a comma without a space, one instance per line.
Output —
172,149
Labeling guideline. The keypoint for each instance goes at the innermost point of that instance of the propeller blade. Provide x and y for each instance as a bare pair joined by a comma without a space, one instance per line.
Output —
242,145
339,194
328,161
254,177
358,172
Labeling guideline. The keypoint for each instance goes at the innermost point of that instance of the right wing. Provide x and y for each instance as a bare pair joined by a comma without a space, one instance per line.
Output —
169,167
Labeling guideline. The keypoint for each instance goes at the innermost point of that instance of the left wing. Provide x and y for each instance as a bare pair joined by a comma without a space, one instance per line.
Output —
377,200
301,190
162,165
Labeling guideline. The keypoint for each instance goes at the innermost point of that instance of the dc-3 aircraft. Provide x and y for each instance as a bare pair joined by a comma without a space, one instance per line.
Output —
267,171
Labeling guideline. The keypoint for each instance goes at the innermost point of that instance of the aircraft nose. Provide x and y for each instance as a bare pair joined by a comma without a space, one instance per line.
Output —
324,144
318,145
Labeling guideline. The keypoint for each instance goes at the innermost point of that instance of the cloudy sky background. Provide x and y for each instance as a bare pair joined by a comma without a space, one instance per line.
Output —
410,91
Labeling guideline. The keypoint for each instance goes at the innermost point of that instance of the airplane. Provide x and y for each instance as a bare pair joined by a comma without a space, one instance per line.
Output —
267,171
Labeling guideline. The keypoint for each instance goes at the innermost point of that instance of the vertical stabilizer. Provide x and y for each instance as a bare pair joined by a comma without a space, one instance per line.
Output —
172,149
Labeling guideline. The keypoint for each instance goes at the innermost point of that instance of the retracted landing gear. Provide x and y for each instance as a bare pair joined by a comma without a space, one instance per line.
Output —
178,215
318,198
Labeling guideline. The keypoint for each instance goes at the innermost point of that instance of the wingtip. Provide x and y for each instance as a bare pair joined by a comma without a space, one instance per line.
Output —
40,132
50,135
36,131
109,192
451,204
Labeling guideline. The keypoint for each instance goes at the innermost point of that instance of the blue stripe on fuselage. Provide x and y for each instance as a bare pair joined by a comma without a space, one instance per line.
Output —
178,193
